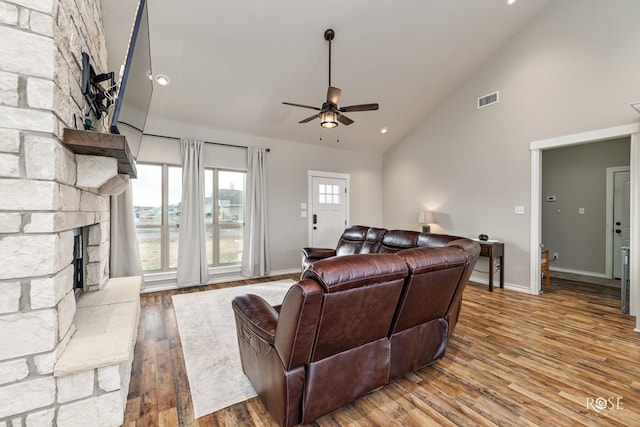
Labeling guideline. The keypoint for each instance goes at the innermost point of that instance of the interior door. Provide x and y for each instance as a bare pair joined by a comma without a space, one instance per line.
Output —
328,211
621,218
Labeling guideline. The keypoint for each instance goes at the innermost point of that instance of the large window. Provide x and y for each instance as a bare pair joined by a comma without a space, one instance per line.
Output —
224,216
157,194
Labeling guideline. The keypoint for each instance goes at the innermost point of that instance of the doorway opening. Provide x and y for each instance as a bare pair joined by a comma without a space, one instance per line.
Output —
576,223
536,149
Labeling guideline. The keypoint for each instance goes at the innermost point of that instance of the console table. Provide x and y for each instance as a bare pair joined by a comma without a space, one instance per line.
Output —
493,250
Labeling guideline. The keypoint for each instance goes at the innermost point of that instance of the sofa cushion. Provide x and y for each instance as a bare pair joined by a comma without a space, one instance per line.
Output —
373,240
360,299
396,240
434,277
352,240
351,271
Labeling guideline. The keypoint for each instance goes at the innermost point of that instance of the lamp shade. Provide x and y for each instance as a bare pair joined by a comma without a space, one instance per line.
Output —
426,217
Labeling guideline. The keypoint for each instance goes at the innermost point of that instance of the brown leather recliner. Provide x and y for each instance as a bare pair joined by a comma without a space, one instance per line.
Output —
353,323
329,343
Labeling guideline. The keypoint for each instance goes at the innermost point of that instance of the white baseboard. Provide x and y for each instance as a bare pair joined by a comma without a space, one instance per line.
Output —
579,272
508,286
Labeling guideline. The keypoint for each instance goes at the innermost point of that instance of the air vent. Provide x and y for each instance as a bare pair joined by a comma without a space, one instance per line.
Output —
486,100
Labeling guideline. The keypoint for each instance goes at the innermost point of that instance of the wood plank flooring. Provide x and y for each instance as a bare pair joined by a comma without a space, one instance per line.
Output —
565,358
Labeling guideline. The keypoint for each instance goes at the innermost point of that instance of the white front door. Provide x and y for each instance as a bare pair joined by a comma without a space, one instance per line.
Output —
328,210
621,218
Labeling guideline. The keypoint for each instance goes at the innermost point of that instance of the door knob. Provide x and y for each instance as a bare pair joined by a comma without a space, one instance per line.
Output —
618,223
618,231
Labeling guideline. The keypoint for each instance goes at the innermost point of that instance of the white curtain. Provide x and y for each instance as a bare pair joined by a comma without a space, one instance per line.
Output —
192,250
125,255
255,253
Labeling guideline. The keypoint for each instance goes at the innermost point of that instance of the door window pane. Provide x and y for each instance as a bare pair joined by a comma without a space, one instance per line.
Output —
328,194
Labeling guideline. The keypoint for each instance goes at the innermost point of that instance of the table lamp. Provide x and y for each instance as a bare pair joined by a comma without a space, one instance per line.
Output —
425,218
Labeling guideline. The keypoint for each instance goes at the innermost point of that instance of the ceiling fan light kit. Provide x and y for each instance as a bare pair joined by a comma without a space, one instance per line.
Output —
330,114
328,119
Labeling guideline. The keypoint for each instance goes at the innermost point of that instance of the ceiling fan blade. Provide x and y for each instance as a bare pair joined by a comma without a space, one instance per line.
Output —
333,95
301,105
308,119
344,120
361,107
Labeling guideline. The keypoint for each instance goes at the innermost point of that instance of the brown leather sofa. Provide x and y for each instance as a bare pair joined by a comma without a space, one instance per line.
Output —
354,322
360,239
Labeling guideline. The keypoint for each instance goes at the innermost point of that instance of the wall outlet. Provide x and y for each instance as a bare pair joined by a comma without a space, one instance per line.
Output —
555,255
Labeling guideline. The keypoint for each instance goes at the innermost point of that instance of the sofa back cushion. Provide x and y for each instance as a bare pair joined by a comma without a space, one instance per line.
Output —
434,276
352,240
437,240
373,240
397,240
361,294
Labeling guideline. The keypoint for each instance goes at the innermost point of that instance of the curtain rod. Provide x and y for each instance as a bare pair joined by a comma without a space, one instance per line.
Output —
206,142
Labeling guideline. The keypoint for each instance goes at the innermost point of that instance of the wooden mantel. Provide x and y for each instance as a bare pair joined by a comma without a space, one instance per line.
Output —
101,144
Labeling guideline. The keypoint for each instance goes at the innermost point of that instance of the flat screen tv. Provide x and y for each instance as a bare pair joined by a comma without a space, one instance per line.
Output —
129,112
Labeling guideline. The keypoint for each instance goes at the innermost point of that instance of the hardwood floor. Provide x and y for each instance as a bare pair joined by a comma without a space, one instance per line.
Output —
565,358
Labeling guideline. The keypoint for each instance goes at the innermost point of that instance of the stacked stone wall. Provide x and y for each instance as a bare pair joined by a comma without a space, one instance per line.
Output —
41,43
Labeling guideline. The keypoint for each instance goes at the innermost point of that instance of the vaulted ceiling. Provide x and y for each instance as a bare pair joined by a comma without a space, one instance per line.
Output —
232,63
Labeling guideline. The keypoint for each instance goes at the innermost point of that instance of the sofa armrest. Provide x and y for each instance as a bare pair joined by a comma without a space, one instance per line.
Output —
318,253
258,316
311,255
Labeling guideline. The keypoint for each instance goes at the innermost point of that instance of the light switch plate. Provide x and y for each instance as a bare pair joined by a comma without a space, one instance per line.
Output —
519,210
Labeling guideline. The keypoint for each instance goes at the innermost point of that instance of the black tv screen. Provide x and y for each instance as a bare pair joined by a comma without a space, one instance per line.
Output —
131,106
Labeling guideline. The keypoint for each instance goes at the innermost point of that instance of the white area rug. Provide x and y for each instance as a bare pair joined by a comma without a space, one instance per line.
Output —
208,334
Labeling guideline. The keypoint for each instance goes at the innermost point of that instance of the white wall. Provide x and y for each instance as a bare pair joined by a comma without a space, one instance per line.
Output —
574,68
287,166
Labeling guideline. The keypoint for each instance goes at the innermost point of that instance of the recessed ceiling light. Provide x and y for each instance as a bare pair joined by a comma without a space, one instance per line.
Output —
162,80
510,2
384,130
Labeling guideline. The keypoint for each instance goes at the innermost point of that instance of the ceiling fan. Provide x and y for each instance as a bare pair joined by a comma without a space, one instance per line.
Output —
330,114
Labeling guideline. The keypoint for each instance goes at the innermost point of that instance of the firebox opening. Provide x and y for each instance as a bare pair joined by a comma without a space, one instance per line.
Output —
79,257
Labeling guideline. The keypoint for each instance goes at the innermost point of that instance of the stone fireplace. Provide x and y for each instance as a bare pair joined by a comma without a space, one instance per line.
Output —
63,362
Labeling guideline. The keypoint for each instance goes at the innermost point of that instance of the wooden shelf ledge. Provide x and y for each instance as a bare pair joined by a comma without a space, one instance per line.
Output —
101,144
